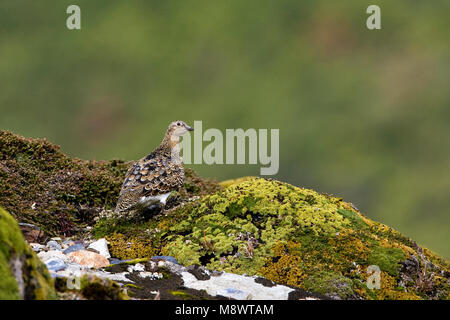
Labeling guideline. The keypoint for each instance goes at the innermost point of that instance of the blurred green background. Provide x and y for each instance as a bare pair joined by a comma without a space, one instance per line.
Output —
362,114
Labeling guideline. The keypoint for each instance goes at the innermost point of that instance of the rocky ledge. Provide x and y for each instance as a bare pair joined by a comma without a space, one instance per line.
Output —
158,277
250,238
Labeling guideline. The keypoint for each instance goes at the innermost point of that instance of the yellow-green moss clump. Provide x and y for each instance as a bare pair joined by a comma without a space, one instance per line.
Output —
129,248
23,275
299,237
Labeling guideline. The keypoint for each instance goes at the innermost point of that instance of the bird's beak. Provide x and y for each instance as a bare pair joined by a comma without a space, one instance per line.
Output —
189,128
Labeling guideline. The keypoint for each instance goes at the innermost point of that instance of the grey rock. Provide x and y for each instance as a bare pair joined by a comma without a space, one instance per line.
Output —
136,267
36,247
151,275
47,255
101,246
74,248
236,286
52,244
55,264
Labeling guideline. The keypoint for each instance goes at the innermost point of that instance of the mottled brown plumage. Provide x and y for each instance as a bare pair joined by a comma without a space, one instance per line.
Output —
151,179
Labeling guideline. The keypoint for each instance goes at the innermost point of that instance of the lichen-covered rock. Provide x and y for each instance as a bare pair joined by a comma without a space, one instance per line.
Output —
159,278
61,195
23,275
293,236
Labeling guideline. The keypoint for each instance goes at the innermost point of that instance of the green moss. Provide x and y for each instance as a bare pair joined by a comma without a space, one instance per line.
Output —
9,289
129,248
194,185
130,285
356,220
183,295
292,236
41,185
388,259
228,183
330,284
256,210
37,283
186,253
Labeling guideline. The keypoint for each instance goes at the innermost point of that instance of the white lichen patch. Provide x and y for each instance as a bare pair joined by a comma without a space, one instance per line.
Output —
236,287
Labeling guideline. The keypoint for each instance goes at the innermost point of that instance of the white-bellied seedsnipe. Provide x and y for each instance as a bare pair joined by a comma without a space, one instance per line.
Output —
151,179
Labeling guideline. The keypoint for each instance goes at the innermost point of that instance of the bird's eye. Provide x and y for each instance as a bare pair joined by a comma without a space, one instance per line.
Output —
178,124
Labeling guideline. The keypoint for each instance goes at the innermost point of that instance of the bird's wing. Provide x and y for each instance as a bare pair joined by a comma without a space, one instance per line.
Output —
166,177
149,177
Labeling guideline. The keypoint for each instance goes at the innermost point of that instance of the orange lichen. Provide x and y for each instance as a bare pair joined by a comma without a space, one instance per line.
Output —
285,266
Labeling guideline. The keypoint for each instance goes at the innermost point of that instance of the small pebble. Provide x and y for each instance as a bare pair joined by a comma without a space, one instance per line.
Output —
55,264
74,248
136,267
37,247
151,275
47,255
52,244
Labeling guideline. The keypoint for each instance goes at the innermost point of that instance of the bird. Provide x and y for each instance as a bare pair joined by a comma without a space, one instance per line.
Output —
152,179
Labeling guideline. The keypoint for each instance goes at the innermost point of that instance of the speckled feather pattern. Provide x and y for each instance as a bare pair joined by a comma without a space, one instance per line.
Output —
154,175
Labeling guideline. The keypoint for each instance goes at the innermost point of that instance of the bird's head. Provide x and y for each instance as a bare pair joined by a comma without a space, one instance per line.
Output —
178,128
